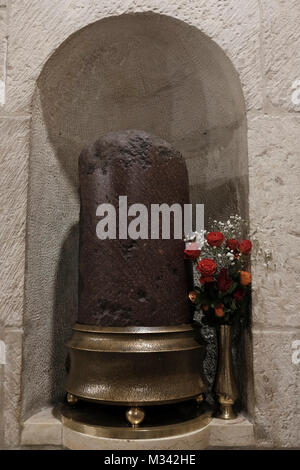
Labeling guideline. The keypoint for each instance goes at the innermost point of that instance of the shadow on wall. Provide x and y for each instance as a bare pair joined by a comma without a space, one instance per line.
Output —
139,71
65,308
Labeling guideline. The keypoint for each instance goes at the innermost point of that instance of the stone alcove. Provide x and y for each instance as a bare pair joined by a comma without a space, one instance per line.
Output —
144,71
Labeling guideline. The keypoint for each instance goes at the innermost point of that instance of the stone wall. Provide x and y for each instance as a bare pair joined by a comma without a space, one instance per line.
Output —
173,82
262,39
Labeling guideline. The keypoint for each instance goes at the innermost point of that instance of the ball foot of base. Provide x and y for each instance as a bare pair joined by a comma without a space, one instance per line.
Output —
135,416
199,399
72,399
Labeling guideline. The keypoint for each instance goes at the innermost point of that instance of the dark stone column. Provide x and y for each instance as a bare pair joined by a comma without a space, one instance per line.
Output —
131,282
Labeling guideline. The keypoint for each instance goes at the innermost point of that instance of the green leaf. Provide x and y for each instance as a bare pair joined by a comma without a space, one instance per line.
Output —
232,287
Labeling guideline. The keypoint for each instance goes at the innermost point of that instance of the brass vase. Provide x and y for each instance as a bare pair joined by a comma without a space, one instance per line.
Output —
225,385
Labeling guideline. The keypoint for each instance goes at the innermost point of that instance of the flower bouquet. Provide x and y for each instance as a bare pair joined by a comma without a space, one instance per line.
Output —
223,295
221,258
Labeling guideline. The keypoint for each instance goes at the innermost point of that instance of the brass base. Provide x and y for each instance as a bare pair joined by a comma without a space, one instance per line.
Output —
109,421
138,366
226,412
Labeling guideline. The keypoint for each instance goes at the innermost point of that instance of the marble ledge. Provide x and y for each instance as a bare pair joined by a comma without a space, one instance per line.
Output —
46,429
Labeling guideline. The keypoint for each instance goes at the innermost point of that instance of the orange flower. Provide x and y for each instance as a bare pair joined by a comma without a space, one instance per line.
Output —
219,311
245,278
193,296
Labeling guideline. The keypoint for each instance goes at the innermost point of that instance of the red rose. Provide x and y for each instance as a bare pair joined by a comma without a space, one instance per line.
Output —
206,267
232,244
204,279
245,247
215,238
239,294
192,251
223,282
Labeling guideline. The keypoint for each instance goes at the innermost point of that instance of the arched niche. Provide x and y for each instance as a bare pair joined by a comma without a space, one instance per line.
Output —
142,71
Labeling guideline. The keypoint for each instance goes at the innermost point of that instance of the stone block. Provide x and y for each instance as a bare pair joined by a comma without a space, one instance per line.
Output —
1,406
281,54
43,428
233,433
3,50
14,145
274,167
276,382
12,386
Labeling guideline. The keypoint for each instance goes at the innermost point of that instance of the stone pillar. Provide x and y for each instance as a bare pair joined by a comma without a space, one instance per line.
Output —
131,282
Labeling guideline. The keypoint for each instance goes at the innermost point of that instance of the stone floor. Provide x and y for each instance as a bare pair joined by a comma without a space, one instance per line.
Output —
45,430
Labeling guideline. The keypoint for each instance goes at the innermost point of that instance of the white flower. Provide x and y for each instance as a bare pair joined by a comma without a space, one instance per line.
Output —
200,239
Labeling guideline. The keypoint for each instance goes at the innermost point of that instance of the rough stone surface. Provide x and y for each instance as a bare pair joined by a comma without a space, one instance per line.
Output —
281,54
44,428
1,404
12,387
218,173
274,168
52,269
262,40
125,282
14,147
3,50
274,215
235,433
277,382
39,27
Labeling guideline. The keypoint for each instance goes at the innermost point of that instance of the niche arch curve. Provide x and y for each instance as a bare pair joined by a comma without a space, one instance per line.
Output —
146,71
